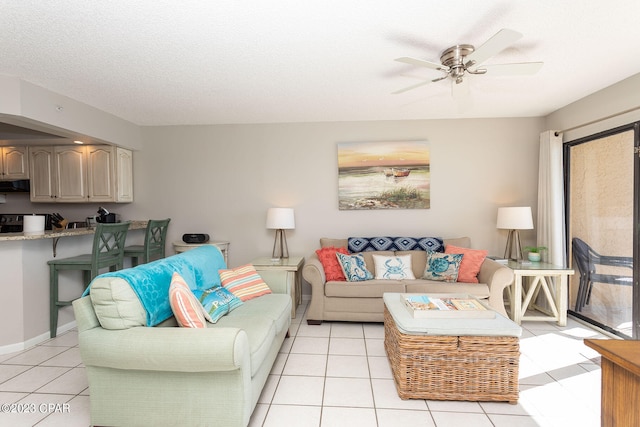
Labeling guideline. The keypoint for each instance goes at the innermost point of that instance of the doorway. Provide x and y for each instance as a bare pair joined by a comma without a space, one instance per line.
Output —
601,179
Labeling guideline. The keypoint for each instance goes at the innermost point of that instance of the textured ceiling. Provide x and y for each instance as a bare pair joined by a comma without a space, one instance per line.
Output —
227,61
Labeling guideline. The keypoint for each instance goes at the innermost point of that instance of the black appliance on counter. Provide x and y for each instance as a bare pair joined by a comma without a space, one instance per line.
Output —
105,217
13,223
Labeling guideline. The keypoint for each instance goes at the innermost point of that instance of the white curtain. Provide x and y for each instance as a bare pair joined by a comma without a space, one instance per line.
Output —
551,222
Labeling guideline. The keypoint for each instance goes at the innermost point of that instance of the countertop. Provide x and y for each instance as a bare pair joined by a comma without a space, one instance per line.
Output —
52,234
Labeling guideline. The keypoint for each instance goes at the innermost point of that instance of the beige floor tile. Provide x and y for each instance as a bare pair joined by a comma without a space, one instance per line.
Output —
351,392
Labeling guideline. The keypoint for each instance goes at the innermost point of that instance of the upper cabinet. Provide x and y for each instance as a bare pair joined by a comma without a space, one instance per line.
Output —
75,174
14,163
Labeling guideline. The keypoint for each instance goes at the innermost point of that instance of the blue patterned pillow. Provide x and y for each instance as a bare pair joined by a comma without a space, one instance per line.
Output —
217,302
354,267
393,267
442,267
362,244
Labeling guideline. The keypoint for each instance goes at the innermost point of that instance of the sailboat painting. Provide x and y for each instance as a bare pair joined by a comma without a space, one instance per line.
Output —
384,175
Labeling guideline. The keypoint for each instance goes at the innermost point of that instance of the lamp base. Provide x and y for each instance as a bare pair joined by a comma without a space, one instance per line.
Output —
513,243
280,248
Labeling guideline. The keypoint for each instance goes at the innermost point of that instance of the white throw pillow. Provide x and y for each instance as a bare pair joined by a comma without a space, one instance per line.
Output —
393,267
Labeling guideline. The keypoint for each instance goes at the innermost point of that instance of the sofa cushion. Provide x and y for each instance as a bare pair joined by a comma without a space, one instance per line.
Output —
422,286
244,282
185,306
442,267
393,267
386,243
330,263
262,319
471,262
367,289
217,302
326,242
354,267
116,304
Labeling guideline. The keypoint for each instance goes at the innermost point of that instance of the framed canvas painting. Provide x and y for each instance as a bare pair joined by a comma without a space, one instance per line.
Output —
383,175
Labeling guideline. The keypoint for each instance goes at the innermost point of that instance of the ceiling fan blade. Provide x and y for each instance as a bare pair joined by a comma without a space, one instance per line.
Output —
411,87
421,63
519,69
500,41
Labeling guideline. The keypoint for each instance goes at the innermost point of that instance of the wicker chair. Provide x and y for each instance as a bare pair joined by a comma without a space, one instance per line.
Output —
587,261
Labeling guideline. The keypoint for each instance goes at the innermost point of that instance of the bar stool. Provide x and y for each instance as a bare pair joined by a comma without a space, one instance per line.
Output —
154,242
107,251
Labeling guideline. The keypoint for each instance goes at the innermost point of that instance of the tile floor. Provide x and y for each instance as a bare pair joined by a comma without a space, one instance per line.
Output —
337,374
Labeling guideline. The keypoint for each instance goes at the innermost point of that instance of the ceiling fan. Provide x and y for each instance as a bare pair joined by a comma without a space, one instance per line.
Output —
459,60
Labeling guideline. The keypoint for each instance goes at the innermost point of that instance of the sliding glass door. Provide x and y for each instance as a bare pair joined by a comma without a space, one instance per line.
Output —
602,228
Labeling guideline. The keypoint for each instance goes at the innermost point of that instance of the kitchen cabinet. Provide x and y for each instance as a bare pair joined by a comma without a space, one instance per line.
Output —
76,174
14,163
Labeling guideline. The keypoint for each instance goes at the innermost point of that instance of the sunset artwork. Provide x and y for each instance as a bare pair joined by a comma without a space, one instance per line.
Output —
383,175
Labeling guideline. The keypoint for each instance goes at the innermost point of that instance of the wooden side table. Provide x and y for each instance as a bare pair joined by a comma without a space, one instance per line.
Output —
539,273
292,268
620,381
180,246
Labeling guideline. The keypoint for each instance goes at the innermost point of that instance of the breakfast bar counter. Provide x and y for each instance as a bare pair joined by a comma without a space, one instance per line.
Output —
25,281
54,234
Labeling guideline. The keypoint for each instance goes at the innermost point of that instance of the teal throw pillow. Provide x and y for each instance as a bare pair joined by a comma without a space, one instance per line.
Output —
442,267
354,267
217,302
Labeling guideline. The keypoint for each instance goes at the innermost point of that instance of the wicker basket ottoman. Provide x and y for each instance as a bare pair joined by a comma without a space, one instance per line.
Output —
451,359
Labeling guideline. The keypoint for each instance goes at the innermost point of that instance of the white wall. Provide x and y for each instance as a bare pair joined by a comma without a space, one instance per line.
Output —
221,180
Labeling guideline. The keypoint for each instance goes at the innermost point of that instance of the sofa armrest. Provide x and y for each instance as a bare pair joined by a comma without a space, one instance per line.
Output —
497,276
147,349
313,272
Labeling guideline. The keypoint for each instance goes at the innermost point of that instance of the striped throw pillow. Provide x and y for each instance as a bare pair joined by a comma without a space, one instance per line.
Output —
244,282
184,304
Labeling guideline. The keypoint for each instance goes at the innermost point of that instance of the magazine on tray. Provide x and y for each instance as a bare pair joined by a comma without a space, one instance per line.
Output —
445,306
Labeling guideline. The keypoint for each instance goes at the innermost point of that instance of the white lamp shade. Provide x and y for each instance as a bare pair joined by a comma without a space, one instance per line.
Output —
280,218
515,218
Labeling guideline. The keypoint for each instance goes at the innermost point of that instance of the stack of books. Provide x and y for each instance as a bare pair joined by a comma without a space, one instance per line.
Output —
424,306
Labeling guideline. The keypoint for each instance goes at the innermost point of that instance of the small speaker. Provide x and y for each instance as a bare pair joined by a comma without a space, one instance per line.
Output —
195,238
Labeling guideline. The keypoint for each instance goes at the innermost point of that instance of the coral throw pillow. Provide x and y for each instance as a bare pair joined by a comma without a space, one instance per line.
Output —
472,259
184,304
244,282
330,264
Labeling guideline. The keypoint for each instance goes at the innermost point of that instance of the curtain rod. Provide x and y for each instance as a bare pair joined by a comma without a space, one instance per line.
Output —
558,132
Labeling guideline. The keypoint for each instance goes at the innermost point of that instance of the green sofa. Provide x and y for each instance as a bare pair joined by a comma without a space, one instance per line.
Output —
166,375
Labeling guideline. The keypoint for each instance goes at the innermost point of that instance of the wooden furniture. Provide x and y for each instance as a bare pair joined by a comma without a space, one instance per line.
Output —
524,296
292,268
620,381
179,246
154,243
107,251
14,163
76,174
474,359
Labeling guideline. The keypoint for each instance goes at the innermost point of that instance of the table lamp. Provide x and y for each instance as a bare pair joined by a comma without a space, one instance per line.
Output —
280,219
514,219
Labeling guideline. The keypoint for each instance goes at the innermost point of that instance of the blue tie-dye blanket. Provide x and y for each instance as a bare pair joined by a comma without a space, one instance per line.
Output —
199,268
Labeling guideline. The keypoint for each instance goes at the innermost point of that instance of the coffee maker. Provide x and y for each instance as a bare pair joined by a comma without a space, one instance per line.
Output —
105,217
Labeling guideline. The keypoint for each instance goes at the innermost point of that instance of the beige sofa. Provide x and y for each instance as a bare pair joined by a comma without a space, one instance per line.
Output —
362,301
171,376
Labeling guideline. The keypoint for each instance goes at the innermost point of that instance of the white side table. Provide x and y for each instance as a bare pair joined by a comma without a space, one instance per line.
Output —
292,267
180,246
539,274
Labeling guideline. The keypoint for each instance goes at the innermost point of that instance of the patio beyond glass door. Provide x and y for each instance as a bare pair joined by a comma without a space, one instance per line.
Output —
601,227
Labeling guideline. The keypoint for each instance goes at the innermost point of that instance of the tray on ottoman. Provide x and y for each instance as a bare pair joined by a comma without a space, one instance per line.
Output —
429,363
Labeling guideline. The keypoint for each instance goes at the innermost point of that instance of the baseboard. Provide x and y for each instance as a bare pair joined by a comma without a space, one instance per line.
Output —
32,342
